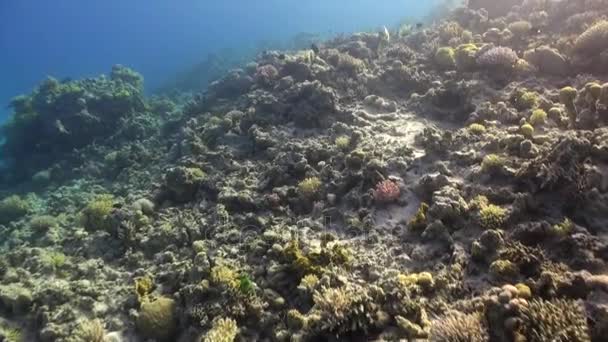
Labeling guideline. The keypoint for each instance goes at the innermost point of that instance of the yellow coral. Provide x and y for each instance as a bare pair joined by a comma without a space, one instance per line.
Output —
538,117
419,221
477,129
223,330
225,276
309,282
504,269
143,287
342,142
567,95
492,216
564,228
422,279
480,201
526,130
310,186
492,163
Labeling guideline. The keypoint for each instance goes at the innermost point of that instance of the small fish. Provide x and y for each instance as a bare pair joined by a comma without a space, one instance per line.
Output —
536,30
314,47
419,25
386,36
282,56
60,127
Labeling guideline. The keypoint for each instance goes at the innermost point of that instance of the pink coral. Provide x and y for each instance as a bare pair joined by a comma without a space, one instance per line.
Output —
386,191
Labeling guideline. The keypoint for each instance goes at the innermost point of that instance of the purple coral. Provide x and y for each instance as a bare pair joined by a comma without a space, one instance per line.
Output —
497,58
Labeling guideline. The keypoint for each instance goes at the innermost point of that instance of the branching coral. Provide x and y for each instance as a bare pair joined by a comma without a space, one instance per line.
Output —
556,320
223,330
338,311
492,216
459,327
90,331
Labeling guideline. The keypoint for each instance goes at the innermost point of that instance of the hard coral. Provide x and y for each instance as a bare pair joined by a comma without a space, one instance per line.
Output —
157,319
555,320
445,58
492,216
94,216
497,58
459,327
309,187
223,330
12,208
594,40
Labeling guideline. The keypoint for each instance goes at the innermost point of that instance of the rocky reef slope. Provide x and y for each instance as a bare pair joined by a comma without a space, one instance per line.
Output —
447,183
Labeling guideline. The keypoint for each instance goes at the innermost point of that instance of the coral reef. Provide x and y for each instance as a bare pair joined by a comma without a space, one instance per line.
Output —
442,183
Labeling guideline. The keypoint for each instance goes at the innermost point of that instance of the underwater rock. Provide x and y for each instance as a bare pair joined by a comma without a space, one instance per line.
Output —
182,182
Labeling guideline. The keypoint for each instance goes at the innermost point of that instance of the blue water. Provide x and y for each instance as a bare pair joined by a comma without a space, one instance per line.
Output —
79,38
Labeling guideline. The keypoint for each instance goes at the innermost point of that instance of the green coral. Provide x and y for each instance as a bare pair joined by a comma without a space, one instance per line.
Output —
246,286
54,259
95,215
11,334
445,58
157,319
13,208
